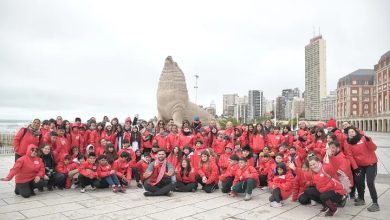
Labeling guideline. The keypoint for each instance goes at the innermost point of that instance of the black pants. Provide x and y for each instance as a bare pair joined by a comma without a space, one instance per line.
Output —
27,189
85,181
304,199
135,174
263,180
60,179
185,187
162,188
276,195
313,194
370,172
227,185
208,188
17,156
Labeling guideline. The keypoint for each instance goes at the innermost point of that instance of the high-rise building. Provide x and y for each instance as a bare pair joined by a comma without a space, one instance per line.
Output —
298,107
229,103
315,77
241,113
328,106
285,108
256,105
280,104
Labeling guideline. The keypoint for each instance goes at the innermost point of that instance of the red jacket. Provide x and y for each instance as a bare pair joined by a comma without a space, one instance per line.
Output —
230,171
86,168
244,139
219,146
131,152
248,172
172,141
26,168
259,142
21,143
174,160
104,170
78,140
111,138
141,167
265,167
62,149
223,162
327,180
62,168
302,180
274,141
297,161
156,171
362,153
186,141
284,183
122,168
341,162
162,141
289,138
319,148
195,158
93,137
210,171
146,143
185,179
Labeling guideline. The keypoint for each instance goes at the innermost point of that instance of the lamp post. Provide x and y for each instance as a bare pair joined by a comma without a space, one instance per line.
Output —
196,88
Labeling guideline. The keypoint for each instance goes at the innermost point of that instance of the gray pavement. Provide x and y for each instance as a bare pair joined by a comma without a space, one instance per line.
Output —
104,204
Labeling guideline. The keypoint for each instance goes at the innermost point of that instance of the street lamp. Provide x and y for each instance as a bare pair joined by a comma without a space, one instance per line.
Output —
196,88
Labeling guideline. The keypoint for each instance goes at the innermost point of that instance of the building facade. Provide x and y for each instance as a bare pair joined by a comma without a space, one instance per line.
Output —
229,103
256,105
298,107
315,77
328,106
363,97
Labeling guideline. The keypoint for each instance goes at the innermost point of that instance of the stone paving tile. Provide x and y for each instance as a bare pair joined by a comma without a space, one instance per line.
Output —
216,202
219,213
92,211
39,197
177,213
3,203
12,216
90,202
67,199
21,206
51,209
57,216
136,212
98,217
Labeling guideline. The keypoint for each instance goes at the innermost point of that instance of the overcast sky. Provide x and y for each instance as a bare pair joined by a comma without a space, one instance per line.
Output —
91,58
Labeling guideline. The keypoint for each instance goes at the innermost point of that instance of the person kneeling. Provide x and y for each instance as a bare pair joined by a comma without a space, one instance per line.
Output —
106,172
29,172
245,179
185,176
281,185
158,176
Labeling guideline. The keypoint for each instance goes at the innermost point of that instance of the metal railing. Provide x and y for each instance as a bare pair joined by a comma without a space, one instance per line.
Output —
6,141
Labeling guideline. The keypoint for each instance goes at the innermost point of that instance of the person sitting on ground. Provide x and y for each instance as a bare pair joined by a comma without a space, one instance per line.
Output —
245,179
106,172
66,171
88,173
123,167
185,176
207,173
158,176
48,161
265,166
227,177
29,171
281,185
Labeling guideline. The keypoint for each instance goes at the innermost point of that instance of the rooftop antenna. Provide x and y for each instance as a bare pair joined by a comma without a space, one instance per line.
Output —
319,30
314,32
196,88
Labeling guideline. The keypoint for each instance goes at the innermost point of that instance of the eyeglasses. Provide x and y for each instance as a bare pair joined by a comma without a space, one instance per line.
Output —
34,149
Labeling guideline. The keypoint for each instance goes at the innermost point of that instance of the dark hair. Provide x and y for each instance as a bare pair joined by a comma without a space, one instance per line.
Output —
335,143
243,159
92,154
281,155
46,122
101,157
246,148
53,134
160,149
283,166
292,147
77,119
67,157
126,155
186,170
266,155
125,141
80,156
234,157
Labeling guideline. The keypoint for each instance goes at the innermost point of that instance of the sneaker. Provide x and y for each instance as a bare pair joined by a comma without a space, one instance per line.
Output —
248,197
343,202
263,187
50,188
82,190
359,202
122,189
139,185
313,203
275,204
148,194
331,213
93,188
115,189
40,189
373,208
324,209
169,194
233,194
215,187
352,197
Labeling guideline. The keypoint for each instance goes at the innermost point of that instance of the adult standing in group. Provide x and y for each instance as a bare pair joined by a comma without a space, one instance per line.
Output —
158,176
360,150
28,171
27,136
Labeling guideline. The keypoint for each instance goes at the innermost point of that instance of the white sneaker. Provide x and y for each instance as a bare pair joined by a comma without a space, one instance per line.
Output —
313,203
82,190
275,204
93,188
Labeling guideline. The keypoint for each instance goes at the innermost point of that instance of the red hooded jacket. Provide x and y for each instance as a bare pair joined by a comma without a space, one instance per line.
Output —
122,168
259,141
210,171
245,173
219,146
302,180
361,153
284,183
86,169
185,179
21,142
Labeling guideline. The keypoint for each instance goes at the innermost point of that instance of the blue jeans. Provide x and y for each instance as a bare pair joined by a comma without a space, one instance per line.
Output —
112,180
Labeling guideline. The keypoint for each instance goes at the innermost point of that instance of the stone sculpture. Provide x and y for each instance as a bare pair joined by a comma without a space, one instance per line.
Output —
172,96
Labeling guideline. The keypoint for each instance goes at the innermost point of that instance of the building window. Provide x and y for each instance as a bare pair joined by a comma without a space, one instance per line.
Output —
354,99
354,112
365,106
354,82
354,106
366,91
354,91
366,99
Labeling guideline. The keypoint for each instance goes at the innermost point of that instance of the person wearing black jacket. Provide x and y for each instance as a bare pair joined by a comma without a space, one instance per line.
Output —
48,161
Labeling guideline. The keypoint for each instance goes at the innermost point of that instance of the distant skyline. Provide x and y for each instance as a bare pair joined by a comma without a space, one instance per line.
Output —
95,58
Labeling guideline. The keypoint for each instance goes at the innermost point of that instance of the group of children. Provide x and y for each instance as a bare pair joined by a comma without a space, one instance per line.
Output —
322,164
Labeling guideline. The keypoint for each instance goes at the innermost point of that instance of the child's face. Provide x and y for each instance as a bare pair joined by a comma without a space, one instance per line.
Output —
103,161
204,158
147,159
305,168
292,151
241,163
280,171
228,150
186,151
66,162
82,160
176,150
282,149
266,159
245,153
127,145
278,159
232,162
184,164
111,149
123,159
266,150
198,145
75,151
92,159
276,131
138,153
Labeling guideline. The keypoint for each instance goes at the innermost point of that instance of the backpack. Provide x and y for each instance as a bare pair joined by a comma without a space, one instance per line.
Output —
24,133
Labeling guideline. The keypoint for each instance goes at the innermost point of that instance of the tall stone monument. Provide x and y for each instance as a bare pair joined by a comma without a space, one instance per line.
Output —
172,96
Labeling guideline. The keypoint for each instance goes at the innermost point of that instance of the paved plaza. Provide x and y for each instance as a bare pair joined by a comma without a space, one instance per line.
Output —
104,204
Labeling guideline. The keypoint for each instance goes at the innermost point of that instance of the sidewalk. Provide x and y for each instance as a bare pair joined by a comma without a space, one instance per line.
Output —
103,204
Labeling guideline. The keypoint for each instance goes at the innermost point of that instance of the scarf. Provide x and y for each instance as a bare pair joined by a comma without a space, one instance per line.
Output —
162,170
34,131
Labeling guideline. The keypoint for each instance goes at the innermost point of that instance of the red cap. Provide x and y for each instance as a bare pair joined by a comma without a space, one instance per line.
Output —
331,123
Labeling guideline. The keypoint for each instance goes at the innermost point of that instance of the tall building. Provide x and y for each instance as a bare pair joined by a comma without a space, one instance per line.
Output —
285,108
328,106
212,109
315,77
241,113
280,104
355,93
229,103
382,73
256,105
298,107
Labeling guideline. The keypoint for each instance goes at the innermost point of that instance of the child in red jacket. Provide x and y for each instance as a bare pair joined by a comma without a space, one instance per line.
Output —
302,181
106,172
88,173
207,173
281,186
185,177
123,166
142,166
66,170
223,161
245,179
265,166
228,177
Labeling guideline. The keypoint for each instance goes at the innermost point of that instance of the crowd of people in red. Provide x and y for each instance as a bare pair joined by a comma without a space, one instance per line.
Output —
321,164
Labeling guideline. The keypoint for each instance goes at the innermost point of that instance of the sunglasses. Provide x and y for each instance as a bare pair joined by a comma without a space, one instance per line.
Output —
34,149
